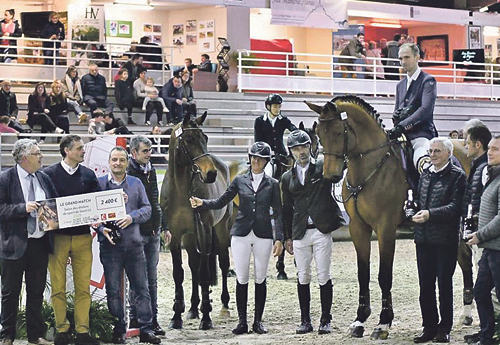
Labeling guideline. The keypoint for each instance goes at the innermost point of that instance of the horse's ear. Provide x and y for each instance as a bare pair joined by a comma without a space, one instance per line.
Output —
187,117
316,108
332,106
315,124
201,119
301,126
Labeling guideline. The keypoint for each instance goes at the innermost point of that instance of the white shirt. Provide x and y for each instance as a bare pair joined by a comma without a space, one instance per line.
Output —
272,120
410,79
39,194
112,180
301,173
256,180
69,169
433,168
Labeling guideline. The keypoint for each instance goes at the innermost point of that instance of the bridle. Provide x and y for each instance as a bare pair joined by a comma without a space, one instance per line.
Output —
344,156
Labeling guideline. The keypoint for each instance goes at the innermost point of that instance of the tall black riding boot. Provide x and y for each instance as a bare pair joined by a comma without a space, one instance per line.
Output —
304,293
326,293
241,305
260,301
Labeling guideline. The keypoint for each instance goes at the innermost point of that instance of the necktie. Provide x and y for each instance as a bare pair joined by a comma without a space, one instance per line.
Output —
301,176
31,197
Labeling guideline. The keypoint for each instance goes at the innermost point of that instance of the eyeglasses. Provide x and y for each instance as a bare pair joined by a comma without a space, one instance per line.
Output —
436,151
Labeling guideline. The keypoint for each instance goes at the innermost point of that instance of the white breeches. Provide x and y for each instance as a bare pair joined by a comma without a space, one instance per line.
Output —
420,148
315,245
242,247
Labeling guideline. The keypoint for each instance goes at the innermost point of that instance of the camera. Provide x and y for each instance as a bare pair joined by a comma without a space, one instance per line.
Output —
115,234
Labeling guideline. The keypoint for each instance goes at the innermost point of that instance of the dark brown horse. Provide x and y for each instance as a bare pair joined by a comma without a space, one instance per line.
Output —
192,171
374,191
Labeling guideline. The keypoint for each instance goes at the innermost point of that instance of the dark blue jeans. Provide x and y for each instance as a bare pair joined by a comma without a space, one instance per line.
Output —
116,258
152,253
488,277
436,261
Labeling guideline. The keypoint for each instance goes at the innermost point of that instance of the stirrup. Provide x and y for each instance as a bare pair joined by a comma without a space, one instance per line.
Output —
423,163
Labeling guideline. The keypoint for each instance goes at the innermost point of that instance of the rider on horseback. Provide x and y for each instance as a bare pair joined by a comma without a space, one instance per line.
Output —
270,127
414,110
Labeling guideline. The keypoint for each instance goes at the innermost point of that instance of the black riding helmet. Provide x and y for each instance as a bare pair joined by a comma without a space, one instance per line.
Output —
297,138
259,149
273,98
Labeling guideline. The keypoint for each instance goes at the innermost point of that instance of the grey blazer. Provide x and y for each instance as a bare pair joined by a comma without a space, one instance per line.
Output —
254,210
13,215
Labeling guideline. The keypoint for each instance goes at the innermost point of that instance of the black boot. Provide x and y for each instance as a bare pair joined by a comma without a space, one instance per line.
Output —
260,301
304,293
326,293
241,305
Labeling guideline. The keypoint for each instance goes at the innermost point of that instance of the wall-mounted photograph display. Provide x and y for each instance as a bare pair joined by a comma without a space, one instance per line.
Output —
191,25
435,48
119,28
206,34
475,37
178,29
147,28
191,40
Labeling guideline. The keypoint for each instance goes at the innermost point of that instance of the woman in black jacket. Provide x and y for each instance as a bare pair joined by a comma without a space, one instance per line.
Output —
54,30
10,28
59,106
187,94
124,94
253,231
38,110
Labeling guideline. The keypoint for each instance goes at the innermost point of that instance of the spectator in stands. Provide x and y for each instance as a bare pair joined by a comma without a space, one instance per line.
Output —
96,124
10,28
391,52
354,48
453,134
188,103
141,94
54,30
152,52
4,125
59,106
172,94
72,88
153,96
95,90
114,125
188,66
8,106
156,141
132,66
373,55
206,64
124,94
38,111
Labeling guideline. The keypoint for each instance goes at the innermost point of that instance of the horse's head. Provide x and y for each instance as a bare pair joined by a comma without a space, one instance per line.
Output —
333,133
190,148
314,138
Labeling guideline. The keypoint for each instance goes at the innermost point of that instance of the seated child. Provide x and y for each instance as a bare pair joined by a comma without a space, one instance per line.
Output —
152,92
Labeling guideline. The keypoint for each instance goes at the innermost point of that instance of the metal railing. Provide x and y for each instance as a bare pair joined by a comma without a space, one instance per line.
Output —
35,63
320,73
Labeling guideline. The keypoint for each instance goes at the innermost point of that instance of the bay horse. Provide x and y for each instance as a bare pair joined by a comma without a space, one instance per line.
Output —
192,171
374,190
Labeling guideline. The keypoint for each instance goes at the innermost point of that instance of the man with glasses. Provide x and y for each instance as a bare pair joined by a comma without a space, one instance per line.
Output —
24,248
140,166
75,243
414,110
440,194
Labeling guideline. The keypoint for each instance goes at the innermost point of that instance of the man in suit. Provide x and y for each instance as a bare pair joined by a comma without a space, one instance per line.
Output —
414,111
24,248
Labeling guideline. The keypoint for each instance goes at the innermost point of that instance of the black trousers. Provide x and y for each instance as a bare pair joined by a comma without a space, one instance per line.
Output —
152,106
33,265
93,103
176,111
436,261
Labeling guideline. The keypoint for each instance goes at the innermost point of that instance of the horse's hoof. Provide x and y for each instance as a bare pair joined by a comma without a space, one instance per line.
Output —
356,331
467,321
175,324
282,276
231,274
193,314
379,334
224,312
206,325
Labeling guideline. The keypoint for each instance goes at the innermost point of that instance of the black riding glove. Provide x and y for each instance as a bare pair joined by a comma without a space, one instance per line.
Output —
395,132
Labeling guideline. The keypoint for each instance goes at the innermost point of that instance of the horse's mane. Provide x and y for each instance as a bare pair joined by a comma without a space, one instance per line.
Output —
363,104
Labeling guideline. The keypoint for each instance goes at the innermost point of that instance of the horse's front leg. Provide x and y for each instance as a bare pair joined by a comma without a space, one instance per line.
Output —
361,236
206,307
194,262
222,249
465,262
178,275
387,243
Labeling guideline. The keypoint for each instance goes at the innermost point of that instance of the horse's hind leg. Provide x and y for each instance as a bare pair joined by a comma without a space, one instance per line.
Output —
178,275
222,245
465,262
361,236
194,261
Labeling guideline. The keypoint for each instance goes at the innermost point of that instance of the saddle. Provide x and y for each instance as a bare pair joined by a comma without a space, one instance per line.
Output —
406,152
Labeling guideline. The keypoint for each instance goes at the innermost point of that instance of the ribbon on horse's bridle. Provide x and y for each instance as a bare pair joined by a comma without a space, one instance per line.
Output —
354,191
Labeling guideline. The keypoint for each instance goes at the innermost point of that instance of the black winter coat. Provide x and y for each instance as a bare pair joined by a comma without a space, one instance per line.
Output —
124,92
53,29
94,87
8,103
474,185
264,131
441,194
149,181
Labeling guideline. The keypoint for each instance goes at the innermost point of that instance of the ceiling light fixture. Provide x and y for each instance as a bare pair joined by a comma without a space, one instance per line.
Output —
387,25
136,4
